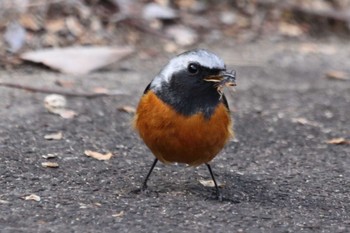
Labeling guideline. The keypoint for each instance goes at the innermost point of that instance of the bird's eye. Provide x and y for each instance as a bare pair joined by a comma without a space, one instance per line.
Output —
193,68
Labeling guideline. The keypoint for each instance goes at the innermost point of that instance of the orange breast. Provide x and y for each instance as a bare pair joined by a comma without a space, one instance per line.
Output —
173,137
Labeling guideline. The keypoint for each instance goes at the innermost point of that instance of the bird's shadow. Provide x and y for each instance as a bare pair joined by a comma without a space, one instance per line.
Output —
236,189
239,188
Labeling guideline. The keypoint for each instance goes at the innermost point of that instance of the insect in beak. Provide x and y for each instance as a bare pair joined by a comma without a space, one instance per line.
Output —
223,79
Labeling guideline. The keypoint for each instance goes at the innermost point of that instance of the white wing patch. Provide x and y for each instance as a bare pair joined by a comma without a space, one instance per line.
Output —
180,62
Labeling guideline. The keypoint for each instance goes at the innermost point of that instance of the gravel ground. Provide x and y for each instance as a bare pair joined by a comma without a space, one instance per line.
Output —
278,175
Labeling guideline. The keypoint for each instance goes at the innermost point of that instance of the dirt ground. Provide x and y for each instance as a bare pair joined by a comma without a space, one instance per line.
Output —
278,175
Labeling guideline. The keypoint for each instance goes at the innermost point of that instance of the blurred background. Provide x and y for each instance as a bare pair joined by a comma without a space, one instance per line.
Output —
28,25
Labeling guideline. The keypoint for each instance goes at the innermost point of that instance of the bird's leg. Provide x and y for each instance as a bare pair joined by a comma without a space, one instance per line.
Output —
144,184
218,193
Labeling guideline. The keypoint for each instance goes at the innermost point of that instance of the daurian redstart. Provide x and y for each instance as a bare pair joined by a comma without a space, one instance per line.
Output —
183,116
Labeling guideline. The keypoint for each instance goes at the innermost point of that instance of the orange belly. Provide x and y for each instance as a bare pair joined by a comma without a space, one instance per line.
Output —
173,137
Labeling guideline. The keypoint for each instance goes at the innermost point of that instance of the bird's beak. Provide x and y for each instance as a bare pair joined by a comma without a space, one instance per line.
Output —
224,78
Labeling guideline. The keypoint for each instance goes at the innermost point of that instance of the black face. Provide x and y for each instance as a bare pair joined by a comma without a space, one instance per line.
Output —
188,93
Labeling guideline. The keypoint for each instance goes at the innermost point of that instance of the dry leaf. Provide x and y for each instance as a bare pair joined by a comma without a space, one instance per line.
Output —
194,6
338,141
128,109
55,101
170,47
120,214
65,113
54,136
228,17
78,60
185,4
97,155
49,156
74,26
209,183
32,197
242,22
4,202
56,104
30,22
55,25
95,24
156,11
83,206
337,75
182,35
105,91
304,121
51,39
49,164
100,90
289,29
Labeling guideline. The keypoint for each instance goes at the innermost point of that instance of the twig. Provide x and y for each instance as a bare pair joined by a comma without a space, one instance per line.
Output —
59,92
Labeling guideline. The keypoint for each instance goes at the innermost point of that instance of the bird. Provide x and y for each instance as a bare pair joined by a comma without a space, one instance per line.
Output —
183,115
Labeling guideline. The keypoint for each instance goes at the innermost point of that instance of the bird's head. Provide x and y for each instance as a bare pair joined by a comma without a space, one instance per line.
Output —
193,81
